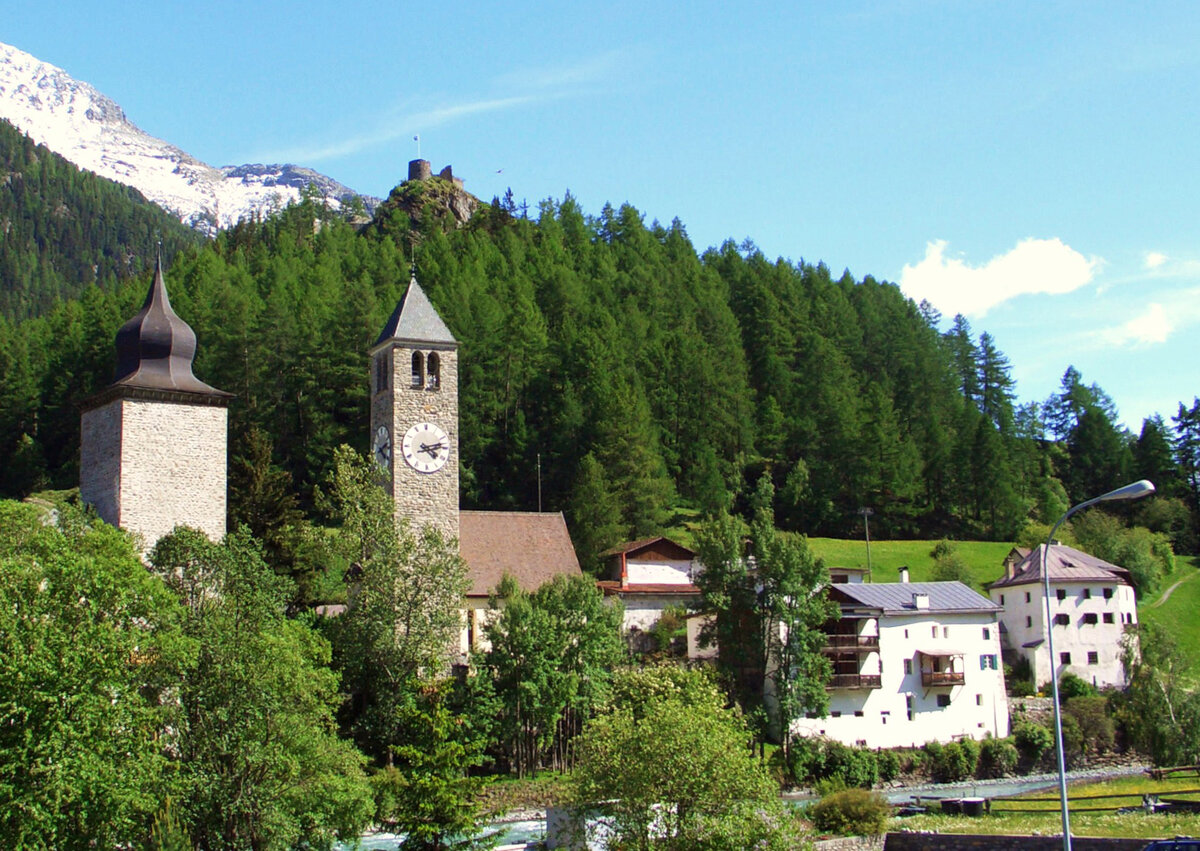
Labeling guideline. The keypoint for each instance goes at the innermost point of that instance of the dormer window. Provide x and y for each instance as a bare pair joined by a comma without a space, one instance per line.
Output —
418,369
434,380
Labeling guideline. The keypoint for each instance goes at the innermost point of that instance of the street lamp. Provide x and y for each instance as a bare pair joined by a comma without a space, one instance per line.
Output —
1133,491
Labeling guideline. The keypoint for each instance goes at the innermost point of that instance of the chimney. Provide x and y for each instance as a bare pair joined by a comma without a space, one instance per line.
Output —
904,574
921,601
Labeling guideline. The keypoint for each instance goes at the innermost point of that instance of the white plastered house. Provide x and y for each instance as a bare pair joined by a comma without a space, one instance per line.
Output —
913,662
649,576
1091,604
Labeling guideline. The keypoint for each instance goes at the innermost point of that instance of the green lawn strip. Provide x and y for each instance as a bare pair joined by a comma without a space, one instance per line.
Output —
983,558
1093,813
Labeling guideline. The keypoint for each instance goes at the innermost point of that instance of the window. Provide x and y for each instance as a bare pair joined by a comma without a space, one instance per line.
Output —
1001,599
835,714
1062,620
908,666
987,634
418,369
987,662
1027,598
943,700
434,380
945,632
1028,622
1093,657
811,714
1108,617
1061,593
935,630
979,700
858,713
1090,618
381,373
1108,592
1064,658
908,705
1087,593
906,633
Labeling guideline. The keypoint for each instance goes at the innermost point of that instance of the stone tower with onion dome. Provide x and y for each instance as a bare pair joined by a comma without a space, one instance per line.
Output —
154,442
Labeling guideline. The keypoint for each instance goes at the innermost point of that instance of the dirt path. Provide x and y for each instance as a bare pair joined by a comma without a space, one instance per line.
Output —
1169,591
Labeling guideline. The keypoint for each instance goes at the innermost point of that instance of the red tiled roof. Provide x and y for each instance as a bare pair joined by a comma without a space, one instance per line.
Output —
531,547
610,588
1067,564
646,543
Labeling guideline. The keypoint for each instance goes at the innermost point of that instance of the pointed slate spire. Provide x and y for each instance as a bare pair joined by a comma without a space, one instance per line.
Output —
415,321
155,348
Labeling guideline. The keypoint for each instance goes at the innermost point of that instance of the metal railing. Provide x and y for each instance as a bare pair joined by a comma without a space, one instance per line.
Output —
855,681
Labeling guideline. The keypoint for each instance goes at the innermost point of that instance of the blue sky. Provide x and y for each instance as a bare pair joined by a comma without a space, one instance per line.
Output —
1032,165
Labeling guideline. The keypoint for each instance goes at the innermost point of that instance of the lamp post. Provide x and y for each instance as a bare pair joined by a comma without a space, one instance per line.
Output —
1133,491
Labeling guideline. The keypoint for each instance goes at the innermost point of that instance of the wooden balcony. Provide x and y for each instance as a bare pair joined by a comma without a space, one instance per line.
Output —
856,643
943,678
854,681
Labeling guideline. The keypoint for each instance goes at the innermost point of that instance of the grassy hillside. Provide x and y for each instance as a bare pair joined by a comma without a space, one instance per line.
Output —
1175,609
982,557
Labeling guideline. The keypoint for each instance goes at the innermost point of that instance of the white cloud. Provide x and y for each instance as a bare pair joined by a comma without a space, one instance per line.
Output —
1033,266
1173,312
1154,259
1152,326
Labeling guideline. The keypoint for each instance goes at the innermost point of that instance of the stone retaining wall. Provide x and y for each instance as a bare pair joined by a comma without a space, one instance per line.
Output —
953,842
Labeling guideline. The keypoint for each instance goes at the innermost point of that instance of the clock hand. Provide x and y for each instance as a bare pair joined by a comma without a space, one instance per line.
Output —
432,448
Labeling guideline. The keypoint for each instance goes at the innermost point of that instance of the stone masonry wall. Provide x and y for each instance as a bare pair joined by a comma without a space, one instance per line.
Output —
952,842
100,461
173,462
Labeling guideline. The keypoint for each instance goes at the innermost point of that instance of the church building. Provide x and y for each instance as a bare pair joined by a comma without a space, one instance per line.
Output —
153,452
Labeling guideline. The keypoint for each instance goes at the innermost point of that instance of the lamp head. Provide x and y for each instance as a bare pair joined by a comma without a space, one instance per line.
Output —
1134,491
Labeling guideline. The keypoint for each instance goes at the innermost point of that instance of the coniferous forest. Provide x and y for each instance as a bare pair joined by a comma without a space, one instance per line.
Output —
640,377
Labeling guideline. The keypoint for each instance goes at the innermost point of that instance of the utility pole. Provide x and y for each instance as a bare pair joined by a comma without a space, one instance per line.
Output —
866,516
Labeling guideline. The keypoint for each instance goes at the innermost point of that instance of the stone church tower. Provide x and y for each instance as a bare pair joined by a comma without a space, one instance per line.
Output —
153,443
414,413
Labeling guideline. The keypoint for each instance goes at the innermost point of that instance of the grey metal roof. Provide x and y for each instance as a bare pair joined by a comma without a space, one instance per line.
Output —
896,598
415,321
155,348
1067,564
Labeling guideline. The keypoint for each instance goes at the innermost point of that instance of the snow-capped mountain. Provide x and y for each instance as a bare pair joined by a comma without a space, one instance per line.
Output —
77,122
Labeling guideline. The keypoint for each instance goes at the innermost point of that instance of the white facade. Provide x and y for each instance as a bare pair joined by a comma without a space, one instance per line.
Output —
906,677
1091,604
1089,621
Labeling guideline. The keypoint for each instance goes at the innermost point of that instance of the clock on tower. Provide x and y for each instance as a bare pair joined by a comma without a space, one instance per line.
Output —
414,413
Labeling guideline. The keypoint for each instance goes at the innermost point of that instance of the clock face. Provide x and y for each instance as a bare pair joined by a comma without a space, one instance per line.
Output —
426,447
382,447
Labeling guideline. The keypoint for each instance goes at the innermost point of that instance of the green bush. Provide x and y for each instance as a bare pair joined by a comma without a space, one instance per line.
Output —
997,758
889,765
851,812
832,764
1096,729
1070,686
953,762
1032,740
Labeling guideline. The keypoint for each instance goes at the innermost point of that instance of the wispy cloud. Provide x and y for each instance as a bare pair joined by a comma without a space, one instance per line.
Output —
520,88
397,128
1032,266
1173,312
1154,259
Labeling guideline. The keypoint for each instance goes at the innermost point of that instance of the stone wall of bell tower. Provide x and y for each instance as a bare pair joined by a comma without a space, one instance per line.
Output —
409,393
